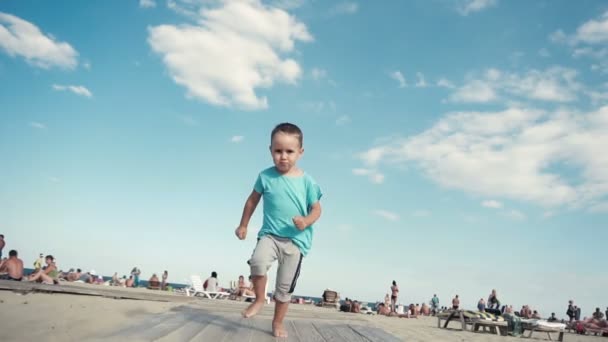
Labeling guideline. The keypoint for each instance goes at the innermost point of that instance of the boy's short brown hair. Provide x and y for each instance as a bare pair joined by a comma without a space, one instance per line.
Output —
288,128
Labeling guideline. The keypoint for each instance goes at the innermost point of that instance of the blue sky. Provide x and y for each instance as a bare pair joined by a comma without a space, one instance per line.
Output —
459,144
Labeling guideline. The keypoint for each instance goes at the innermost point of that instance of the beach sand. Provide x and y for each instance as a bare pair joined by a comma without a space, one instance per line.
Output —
66,317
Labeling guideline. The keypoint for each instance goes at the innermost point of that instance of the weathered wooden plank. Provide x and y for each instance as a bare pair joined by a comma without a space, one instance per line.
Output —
261,330
215,330
374,334
241,331
194,322
92,290
329,334
305,331
350,334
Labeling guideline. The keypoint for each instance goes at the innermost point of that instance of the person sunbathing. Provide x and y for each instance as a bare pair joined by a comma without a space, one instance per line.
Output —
130,282
153,282
73,276
244,289
13,266
48,274
425,310
383,309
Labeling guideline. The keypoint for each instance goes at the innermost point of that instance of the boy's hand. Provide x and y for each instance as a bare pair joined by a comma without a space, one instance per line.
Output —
241,232
300,222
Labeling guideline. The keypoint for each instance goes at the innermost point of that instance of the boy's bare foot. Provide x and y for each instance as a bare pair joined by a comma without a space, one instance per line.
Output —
253,309
278,330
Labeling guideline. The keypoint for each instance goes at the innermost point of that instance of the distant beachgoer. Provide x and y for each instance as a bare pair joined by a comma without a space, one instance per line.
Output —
435,304
211,283
493,302
13,266
455,303
48,275
2,244
481,305
387,301
291,207
536,315
356,307
417,309
383,309
247,290
130,282
39,262
135,272
115,280
552,318
598,314
571,312
153,282
577,313
394,295
425,310
606,313
73,276
163,284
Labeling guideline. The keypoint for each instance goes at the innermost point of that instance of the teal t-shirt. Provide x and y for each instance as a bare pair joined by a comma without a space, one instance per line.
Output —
286,197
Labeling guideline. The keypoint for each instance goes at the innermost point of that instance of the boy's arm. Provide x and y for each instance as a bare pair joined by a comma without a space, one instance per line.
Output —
250,205
308,220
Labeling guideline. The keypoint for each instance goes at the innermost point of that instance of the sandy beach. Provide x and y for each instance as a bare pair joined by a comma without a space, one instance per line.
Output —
66,317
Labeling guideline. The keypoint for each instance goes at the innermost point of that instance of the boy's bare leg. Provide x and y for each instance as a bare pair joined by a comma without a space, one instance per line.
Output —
259,286
280,310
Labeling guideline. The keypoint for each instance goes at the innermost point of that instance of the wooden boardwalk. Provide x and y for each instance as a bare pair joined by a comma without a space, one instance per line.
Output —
198,319
194,323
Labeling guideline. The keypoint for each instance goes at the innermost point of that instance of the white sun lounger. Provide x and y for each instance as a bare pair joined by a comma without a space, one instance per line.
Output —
198,290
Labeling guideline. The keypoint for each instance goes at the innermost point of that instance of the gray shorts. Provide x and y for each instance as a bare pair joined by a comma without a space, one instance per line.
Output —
271,248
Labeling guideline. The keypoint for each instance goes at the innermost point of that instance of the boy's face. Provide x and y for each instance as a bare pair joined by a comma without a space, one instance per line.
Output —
285,150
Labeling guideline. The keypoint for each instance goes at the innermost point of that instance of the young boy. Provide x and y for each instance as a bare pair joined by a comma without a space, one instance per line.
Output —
291,207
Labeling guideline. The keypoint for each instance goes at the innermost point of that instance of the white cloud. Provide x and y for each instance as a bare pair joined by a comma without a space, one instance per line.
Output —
237,139
445,83
233,51
78,90
398,76
474,91
491,204
548,158
373,175
37,125
318,74
345,8
421,82
387,215
147,3
590,34
343,120
22,38
466,7
594,31
86,65
590,52
555,84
